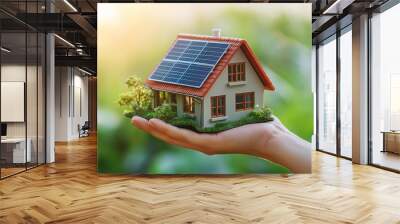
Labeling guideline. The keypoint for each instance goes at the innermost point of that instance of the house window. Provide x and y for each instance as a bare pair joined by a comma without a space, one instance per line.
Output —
172,101
244,101
188,105
160,98
172,98
236,72
218,106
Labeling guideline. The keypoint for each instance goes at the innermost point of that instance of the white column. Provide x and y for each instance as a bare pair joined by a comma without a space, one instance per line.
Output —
50,100
360,90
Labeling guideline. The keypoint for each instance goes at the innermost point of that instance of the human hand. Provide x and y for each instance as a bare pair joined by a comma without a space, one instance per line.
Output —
271,141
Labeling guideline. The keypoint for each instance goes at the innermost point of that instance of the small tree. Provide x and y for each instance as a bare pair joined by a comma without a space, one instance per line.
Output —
137,99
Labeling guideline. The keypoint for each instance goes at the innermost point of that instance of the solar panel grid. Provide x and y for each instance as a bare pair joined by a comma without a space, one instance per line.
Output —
189,62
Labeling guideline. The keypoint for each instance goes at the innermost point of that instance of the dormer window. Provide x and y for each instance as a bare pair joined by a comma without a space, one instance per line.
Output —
236,72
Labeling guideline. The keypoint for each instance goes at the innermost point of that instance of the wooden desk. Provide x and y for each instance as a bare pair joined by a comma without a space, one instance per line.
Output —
391,141
16,147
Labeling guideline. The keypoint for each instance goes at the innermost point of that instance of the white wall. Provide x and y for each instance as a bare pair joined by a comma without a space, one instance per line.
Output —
71,102
16,73
13,101
62,82
80,110
12,73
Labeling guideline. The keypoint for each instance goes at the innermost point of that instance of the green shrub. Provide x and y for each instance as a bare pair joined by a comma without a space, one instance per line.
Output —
262,115
163,112
184,122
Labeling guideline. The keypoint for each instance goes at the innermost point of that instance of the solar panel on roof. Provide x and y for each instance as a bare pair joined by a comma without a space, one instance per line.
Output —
189,62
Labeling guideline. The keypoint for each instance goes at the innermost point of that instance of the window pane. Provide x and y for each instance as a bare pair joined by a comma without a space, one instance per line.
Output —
239,98
248,97
385,88
327,96
188,106
221,100
173,98
346,94
213,101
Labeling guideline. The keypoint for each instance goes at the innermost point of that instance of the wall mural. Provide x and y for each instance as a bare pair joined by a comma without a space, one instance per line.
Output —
204,88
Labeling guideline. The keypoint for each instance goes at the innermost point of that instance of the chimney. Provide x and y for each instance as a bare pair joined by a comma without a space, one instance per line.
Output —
216,32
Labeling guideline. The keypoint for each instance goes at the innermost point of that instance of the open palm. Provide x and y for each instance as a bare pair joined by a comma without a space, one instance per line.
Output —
269,140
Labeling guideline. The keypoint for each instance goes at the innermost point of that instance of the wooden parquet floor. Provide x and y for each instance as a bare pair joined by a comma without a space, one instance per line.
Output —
70,191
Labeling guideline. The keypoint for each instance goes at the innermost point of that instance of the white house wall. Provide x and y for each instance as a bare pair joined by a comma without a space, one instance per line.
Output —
220,87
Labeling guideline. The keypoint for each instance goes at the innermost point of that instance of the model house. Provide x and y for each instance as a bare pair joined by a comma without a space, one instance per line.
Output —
211,78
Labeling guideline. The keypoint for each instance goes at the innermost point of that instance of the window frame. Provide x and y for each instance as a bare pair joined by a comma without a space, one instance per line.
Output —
245,103
218,106
237,72
336,36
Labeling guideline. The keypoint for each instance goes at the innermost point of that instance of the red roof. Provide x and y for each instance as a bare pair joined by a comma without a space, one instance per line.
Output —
235,44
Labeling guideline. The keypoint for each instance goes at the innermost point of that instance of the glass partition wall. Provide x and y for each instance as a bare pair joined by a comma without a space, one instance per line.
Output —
22,98
334,93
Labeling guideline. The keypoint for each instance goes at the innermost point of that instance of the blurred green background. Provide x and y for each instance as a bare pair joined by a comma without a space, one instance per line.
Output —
132,40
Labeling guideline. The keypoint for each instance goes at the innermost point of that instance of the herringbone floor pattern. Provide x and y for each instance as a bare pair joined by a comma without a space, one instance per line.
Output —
70,191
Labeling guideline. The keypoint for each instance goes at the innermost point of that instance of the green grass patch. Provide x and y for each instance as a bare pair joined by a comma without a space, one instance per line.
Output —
167,114
258,116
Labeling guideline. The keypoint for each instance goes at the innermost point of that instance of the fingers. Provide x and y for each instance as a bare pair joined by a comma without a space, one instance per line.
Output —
144,125
141,123
206,143
172,131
